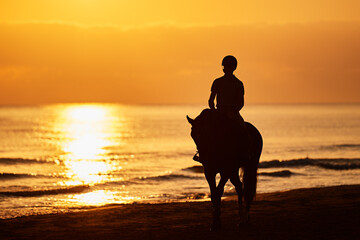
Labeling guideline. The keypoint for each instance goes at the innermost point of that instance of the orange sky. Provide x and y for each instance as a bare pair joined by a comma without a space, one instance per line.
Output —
159,52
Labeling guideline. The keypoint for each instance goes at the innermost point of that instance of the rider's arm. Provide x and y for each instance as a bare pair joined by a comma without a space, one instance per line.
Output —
211,100
241,102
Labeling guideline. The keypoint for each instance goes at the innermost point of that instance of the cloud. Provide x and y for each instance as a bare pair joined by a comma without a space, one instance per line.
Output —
170,63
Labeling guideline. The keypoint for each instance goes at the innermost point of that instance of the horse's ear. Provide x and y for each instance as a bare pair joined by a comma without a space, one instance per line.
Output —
190,120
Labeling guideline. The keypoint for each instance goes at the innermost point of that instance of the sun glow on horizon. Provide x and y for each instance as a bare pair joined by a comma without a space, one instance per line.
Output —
169,52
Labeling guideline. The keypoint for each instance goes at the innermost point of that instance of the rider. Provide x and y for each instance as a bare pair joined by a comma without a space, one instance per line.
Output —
228,90
229,93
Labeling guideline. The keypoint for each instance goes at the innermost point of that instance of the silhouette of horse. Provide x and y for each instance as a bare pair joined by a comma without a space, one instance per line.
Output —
222,150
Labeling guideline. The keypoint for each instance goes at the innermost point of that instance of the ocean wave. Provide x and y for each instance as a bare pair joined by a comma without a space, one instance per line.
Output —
342,146
168,177
151,179
333,164
75,189
115,156
195,169
326,163
8,176
13,161
284,173
194,196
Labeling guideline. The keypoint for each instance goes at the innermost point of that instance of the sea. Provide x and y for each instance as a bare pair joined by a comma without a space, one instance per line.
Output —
73,157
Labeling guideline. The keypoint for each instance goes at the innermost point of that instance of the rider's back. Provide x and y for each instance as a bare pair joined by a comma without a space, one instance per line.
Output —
229,92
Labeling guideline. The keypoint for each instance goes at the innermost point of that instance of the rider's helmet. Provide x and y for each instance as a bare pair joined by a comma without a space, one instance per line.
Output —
229,62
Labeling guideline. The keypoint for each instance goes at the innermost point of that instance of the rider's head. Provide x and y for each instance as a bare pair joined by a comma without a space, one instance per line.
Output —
229,62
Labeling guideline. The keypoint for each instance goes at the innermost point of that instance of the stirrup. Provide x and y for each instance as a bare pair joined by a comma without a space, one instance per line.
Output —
196,157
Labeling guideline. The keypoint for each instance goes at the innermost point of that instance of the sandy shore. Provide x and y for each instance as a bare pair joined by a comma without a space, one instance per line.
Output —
317,213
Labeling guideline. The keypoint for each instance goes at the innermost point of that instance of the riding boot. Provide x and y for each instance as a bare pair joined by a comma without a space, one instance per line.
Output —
196,157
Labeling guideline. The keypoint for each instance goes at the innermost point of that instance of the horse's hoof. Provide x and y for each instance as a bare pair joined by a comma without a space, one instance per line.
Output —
244,216
244,221
215,226
242,225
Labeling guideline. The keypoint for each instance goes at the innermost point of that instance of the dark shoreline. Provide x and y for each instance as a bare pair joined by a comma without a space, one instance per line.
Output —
313,213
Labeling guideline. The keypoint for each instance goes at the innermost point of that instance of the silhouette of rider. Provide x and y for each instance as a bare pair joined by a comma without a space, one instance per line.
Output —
229,93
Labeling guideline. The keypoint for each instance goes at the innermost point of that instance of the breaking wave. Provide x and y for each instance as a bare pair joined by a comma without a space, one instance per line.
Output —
342,146
284,173
326,163
333,164
168,177
195,169
13,161
75,189
8,176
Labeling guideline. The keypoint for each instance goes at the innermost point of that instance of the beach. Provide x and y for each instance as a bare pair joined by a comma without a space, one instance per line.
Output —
312,213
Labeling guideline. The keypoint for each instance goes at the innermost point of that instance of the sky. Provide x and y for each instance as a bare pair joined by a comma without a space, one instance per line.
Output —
169,52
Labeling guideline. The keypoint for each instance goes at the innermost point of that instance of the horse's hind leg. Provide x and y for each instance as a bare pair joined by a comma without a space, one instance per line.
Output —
235,180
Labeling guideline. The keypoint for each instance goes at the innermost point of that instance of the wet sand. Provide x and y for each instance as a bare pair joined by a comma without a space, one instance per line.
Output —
316,213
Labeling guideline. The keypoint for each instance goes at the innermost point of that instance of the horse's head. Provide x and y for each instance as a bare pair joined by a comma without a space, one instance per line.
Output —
195,130
201,129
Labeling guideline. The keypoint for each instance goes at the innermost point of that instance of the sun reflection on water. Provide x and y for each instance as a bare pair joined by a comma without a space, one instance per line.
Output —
101,197
88,171
88,130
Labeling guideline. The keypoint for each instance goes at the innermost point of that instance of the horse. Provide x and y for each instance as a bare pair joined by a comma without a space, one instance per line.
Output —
223,150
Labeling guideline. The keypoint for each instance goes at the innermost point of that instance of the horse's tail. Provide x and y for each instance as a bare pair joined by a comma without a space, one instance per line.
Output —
250,168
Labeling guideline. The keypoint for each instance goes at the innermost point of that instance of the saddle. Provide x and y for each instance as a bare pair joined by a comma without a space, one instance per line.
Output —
227,133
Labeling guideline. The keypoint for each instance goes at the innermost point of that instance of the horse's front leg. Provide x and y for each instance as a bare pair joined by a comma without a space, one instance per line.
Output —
211,179
216,193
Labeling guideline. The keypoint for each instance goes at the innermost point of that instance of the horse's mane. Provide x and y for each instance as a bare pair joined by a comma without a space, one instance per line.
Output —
218,135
